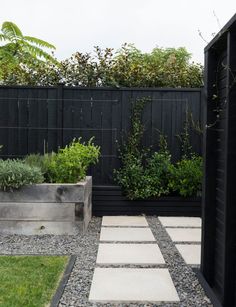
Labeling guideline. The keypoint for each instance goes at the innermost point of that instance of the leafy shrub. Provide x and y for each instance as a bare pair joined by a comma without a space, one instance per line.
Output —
131,176
186,176
141,175
158,171
144,175
70,164
15,173
42,162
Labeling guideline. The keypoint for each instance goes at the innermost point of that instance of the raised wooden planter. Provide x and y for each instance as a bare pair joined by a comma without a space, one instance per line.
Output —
46,209
109,200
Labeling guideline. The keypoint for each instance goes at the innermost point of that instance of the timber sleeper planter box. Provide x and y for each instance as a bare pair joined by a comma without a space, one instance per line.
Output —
47,208
110,200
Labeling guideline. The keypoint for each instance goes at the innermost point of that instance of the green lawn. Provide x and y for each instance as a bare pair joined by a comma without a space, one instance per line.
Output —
29,281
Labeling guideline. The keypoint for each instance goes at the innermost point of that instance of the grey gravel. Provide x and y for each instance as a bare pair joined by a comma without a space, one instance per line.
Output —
85,248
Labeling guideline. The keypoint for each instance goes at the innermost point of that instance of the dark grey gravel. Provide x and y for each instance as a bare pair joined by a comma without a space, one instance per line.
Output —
85,248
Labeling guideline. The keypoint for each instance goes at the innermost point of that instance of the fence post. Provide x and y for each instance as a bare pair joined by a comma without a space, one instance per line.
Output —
60,106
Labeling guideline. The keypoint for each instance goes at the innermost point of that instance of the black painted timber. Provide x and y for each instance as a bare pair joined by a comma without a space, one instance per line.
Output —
42,119
218,260
110,200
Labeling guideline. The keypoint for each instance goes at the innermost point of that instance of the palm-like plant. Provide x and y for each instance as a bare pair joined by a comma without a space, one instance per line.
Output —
21,47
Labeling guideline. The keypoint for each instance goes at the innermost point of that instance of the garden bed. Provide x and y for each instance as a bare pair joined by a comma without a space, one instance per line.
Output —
109,200
46,208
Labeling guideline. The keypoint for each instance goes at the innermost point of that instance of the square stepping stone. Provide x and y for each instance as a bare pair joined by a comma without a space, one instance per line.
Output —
184,234
169,221
124,221
129,254
126,234
190,252
132,285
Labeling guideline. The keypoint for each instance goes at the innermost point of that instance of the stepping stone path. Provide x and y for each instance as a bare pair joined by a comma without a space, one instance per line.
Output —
185,232
130,284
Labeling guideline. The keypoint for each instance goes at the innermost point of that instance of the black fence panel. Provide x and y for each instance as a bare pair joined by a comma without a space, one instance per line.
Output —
218,265
42,119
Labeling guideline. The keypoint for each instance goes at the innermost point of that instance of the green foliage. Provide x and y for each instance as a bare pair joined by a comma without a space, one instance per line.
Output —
186,176
184,137
141,175
70,164
168,67
158,171
17,43
126,67
42,162
144,174
131,175
15,173
20,54
129,67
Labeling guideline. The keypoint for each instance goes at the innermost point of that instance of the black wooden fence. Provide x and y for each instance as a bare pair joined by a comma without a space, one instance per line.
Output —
218,265
39,119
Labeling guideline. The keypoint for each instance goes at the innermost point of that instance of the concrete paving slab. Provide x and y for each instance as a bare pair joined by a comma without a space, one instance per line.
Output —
190,252
126,234
124,221
169,221
132,285
129,254
184,234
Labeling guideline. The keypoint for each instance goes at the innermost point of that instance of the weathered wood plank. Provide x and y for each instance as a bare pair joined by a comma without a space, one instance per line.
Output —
37,211
48,193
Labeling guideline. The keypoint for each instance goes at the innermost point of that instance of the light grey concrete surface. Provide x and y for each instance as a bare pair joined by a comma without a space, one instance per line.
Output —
126,234
174,221
129,254
184,234
132,285
190,252
124,221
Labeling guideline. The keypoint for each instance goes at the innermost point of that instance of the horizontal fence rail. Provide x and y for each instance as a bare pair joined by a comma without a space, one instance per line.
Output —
43,119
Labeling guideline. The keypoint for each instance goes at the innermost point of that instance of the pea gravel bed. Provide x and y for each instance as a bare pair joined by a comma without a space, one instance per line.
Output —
85,248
